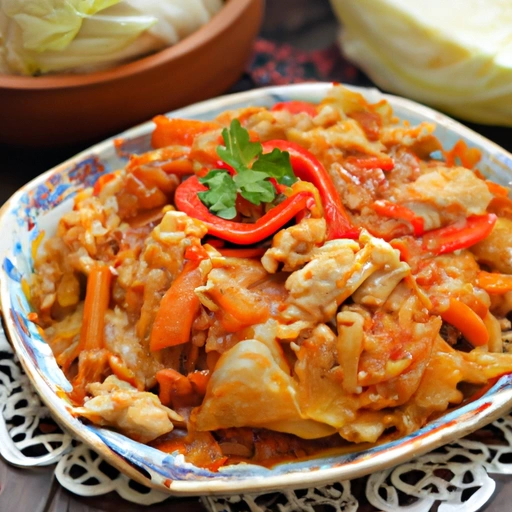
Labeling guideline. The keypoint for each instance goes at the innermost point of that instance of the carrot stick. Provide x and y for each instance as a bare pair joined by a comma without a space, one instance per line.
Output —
97,297
491,282
169,132
178,308
467,322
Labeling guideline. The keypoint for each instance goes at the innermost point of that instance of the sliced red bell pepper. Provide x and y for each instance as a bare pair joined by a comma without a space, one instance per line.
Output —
296,107
187,201
307,167
459,235
397,211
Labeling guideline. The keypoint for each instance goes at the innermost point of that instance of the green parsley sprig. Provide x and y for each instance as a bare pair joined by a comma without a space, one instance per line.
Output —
253,172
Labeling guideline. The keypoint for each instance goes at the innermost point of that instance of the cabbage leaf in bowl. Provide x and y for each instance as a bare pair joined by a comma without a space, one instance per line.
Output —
84,35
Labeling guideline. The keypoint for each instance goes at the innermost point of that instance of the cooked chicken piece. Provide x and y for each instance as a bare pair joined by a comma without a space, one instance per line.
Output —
379,286
175,226
445,194
294,246
496,250
137,414
249,387
336,271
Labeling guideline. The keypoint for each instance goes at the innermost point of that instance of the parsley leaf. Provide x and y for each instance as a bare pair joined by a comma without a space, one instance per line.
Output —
239,150
277,165
221,194
255,187
253,171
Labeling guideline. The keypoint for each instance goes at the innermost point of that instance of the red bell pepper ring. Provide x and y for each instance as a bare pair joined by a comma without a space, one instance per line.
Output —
459,236
187,201
307,167
397,211
296,107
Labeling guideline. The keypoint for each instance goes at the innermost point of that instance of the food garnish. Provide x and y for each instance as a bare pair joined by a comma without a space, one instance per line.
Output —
252,171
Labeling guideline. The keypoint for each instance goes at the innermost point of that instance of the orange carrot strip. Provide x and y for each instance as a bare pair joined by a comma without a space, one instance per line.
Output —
181,167
467,322
172,384
169,132
476,304
199,381
467,156
501,206
240,309
177,310
196,252
102,181
253,252
121,371
494,283
97,298
147,198
496,189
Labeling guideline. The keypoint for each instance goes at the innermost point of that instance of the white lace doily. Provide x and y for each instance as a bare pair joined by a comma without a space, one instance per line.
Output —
455,478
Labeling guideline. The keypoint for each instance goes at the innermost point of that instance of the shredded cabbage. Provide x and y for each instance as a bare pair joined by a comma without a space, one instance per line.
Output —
453,54
41,36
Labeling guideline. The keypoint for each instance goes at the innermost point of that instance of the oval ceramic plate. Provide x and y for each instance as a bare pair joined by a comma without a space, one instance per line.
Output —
36,208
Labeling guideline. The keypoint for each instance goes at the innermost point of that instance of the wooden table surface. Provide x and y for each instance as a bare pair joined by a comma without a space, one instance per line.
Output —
36,490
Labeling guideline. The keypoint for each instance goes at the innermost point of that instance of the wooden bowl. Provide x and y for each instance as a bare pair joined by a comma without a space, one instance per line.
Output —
59,110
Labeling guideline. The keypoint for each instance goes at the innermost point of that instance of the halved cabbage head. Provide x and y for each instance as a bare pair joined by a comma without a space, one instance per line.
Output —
453,54
41,36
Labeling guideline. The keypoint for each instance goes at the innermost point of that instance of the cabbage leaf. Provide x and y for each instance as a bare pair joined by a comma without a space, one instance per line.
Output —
41,36
51,24
451,54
